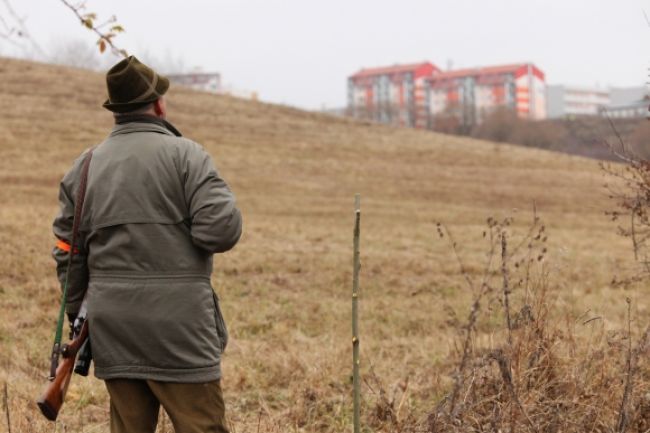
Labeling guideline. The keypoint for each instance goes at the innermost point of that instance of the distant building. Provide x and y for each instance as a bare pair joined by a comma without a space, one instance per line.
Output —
628,102
395,94
570,101
627,95
632,110
203,81
470,94
567,101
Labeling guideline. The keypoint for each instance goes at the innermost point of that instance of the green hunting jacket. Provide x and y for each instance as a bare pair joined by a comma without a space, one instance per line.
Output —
155,213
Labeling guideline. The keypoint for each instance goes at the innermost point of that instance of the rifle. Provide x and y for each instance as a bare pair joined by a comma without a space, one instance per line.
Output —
60,374
53,397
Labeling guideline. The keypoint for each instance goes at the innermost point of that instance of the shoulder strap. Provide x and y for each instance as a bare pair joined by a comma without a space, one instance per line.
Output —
79,204
78,211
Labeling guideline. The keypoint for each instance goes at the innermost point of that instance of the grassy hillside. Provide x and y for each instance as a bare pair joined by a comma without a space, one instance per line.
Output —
285,288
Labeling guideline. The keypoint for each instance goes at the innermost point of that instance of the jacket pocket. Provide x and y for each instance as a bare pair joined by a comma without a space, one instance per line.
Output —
222,330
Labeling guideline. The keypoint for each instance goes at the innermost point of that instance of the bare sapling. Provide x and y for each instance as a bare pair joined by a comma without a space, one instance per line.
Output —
356,265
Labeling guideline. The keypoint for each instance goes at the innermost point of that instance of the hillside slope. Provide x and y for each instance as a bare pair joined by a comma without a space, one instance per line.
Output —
285,288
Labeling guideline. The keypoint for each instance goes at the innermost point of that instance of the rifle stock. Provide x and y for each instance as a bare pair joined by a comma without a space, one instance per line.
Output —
53,397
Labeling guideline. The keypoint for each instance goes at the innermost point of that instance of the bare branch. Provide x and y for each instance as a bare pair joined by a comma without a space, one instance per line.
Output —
7,37
506,283
20,29
88,21
5,25
459,260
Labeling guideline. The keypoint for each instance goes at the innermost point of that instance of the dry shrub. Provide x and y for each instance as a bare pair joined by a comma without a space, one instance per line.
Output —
520,367
504,126
640,139
583,135
630,191
389,410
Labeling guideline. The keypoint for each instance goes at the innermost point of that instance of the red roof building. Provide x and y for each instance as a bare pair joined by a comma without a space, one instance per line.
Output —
469,94
395,94
420,94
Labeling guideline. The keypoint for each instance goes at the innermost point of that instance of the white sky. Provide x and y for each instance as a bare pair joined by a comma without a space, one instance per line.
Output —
299,52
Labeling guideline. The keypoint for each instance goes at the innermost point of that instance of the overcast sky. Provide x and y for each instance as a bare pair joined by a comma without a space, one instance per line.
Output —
299,52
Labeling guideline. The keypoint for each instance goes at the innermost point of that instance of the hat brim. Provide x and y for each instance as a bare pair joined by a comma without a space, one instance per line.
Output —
125,107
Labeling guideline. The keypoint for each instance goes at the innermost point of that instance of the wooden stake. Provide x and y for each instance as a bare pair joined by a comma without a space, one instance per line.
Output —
6,402
355,314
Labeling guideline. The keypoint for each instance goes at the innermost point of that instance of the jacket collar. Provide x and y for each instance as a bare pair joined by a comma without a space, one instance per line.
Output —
125,124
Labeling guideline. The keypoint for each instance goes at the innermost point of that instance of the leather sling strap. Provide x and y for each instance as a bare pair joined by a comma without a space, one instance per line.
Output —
78,211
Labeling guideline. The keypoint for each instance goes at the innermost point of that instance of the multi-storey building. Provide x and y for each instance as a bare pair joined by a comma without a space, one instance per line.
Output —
469,94
395,94
567,101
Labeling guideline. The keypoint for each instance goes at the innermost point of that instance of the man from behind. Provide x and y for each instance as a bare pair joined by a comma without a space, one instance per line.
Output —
156,211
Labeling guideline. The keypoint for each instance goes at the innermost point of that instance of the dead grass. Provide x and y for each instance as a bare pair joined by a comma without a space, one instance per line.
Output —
286,287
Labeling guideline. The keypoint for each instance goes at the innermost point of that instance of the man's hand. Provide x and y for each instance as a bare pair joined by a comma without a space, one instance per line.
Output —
71,318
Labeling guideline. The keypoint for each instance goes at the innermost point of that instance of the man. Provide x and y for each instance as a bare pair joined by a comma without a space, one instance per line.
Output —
155,212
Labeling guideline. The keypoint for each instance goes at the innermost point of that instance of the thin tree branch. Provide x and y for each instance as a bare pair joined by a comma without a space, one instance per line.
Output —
104,38
22,30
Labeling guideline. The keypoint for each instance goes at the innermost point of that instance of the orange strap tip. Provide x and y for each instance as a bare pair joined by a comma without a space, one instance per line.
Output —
64,246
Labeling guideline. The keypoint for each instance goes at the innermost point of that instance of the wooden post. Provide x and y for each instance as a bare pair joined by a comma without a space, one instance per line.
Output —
7,410
355,315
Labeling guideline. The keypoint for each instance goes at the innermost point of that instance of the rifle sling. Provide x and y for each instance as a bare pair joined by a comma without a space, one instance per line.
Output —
78,211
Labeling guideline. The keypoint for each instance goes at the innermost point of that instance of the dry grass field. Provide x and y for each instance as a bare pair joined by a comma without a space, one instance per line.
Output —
286,287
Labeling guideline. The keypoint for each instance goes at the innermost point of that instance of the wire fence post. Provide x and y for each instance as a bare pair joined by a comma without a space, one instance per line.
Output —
355,315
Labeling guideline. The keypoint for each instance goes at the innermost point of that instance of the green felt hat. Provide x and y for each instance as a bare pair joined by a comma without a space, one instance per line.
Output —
131,85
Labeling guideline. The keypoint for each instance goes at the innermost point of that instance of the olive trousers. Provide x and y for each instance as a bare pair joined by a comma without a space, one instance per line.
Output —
192,407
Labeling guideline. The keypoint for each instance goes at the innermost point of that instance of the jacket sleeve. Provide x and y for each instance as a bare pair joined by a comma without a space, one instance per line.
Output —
216,223
78,280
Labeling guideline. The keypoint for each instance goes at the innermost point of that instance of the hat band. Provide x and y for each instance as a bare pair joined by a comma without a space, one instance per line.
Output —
151,90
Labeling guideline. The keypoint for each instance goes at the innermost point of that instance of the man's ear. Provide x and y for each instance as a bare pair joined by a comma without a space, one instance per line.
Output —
159,108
